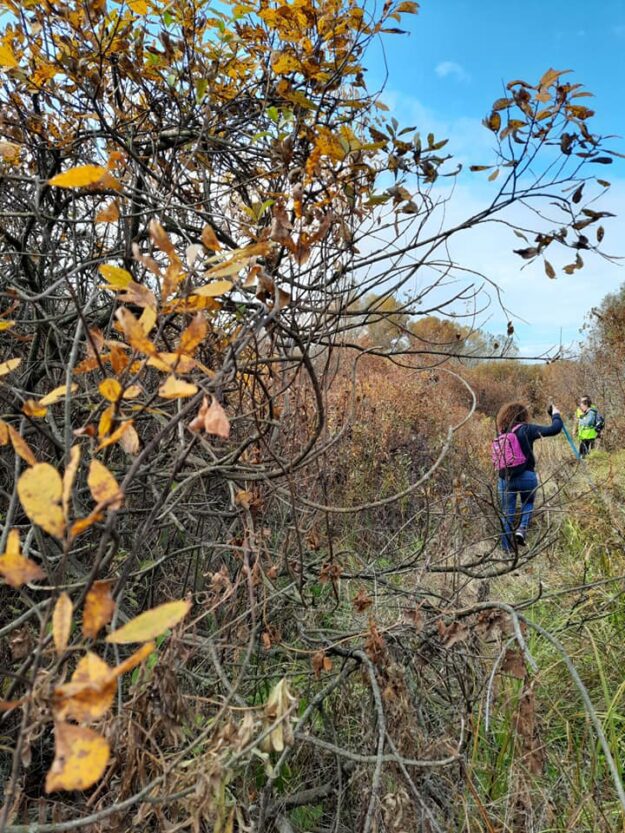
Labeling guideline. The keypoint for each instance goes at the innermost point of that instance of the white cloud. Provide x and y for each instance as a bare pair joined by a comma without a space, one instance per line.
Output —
451,69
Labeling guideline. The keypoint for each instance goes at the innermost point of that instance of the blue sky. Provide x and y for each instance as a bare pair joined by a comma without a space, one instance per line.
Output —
443,76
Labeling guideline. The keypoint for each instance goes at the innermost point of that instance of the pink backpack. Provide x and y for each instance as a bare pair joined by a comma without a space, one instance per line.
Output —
506,451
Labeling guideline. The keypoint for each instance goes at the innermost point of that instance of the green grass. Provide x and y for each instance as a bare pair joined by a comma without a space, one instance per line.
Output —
574,792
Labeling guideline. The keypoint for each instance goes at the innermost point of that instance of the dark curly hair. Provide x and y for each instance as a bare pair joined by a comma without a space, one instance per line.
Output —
511,414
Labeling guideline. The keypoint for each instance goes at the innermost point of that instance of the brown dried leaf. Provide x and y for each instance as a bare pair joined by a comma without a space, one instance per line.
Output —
99,608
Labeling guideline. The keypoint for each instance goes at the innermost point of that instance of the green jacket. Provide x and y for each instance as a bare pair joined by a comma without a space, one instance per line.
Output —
586,423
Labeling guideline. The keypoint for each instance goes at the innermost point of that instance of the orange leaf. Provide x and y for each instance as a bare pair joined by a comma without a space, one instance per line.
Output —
62,622
151,624
21,447
99,608
15,568
69,477
135,333
80,758
134,659
78,177
103,486
209,239
161,240
82,524
174,388
173,276
116,436
108,214
40,490
106,421
193,335
193,303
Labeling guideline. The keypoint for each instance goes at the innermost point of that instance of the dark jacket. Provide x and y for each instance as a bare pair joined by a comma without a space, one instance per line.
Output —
528,433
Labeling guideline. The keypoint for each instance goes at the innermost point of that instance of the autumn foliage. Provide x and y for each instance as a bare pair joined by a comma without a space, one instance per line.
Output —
211,411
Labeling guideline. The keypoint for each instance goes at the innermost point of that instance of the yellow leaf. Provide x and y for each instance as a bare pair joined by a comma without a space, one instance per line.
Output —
223,270
284,63
172,361
211,290
209,239
6,325
110,389
103,486
56,395
139,6
108,214
7,56
15,568
21,447
99,608
150,624
8,366
115,276
40,490
33,409
174,388
148,318
106,421
69,477
132,392
80,758
78,177
62,622
90,692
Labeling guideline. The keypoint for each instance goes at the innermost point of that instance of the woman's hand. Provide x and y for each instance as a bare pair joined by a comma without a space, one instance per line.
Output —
555,411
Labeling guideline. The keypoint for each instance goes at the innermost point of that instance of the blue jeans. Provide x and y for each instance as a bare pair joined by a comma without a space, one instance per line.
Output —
523,485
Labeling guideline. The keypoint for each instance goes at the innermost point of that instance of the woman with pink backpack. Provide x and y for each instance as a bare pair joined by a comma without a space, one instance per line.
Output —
513,458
